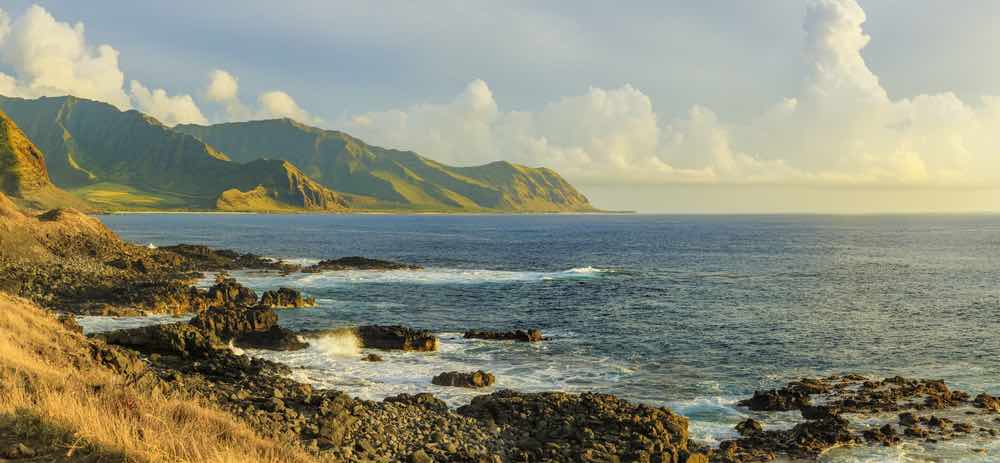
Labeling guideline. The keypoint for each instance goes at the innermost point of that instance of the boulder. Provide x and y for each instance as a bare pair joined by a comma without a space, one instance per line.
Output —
776,400
396,337
532,335
254,328
285,297
180,339
749,427
357,263
372,358
227,292
476,379
556,426
988,402
423,399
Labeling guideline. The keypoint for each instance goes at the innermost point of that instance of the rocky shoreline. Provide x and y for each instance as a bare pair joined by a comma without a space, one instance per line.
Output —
200,359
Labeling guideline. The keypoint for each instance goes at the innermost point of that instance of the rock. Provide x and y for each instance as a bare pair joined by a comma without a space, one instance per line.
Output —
357,263
420,456
532,335
805,441
776,400
988,402
749,427
396,338
19,451
286,297
423,399
886,435
175,339
203,258
275,338
227,292
584,427
371,358
818,412
475,379
228,322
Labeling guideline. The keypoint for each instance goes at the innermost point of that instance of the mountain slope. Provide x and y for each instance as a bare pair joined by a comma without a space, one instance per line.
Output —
92,143
392,178
23,173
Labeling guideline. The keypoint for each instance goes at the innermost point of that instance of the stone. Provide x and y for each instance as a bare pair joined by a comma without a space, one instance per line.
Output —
749,427
532,335
372,358
357,263
285,297
476,379
396,337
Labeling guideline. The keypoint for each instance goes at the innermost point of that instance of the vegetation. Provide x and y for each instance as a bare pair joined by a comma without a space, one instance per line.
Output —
54,395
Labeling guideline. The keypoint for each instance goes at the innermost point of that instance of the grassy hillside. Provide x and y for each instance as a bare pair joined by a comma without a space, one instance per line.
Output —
56,397
24,175
396,179
91,143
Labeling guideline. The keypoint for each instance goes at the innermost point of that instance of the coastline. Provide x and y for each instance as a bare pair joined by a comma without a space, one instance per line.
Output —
204,358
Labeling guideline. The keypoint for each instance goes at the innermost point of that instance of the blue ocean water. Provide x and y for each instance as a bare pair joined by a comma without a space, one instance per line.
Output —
688,311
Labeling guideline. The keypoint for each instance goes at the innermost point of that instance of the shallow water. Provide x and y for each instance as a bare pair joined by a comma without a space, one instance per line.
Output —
687,311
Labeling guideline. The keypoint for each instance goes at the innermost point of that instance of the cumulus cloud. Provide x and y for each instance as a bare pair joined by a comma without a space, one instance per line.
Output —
223,89
49,57
171,110
277,103
840,128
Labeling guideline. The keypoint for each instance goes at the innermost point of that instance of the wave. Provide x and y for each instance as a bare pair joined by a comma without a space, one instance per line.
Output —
428,276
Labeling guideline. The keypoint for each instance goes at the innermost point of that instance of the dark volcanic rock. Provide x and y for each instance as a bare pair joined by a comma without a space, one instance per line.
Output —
180,339
886,435
371,358
475,379
804,440
555,426
532,335
227,292
255,328
286,297
422,399
396,338
776,400
358,263
749,427
988,402
205,259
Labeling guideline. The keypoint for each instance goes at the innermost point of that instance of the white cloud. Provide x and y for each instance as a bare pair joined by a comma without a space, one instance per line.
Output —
840,129
277,103
222,86
171,110
53,58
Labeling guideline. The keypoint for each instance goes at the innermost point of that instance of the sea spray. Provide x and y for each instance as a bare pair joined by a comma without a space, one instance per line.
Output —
343,342
234,349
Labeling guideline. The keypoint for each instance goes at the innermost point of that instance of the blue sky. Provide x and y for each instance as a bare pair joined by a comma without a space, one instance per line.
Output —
620,98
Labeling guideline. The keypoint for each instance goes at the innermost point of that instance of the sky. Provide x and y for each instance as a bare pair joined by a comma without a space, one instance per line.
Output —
656,106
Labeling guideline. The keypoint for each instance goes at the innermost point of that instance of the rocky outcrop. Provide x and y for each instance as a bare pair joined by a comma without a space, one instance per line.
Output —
205,259
23,172
227,292
357,263
474,380
180,339
248,327
532,335
556,426
285,297
396,337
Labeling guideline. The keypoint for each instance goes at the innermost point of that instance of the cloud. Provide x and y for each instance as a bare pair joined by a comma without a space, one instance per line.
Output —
49,57
171,110
840,128
277,103
222,86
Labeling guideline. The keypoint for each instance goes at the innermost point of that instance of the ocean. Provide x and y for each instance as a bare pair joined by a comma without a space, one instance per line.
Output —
691,312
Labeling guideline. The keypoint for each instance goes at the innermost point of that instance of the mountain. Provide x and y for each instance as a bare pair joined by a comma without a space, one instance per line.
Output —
128,160
23,173
377,177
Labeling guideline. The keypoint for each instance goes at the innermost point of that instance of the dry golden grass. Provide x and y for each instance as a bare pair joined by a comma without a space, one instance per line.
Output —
46,376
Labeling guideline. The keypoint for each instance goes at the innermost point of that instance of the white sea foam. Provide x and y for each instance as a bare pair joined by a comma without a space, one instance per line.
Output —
428,276
339,343
98,324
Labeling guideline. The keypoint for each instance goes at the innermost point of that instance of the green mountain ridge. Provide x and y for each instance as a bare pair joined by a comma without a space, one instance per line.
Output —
127,160
24,175
394,178
91,143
